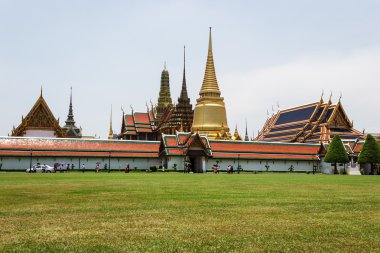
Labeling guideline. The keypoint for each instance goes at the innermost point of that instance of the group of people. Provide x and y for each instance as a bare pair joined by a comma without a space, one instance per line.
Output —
230,169
63,166
216,168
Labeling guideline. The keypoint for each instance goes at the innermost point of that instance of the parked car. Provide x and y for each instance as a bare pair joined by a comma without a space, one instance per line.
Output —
41,168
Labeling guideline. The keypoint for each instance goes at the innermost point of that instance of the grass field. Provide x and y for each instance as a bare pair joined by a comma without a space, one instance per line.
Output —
173,212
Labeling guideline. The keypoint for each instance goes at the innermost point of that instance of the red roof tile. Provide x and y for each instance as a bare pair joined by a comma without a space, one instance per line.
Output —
141,117
73,146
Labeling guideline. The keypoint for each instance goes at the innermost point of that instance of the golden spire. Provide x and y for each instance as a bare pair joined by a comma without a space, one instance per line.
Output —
210,113
210,84
110,133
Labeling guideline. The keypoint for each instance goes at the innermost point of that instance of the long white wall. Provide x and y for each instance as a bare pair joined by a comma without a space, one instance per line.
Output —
250,165
22,163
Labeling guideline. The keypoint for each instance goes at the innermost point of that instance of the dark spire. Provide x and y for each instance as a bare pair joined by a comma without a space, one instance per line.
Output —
71,130
70,117
184,95
246,138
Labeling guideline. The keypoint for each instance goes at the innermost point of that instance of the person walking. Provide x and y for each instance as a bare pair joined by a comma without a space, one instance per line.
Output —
97,168
83,168
127,168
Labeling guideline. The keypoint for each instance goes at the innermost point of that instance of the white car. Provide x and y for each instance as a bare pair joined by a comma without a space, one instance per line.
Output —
39,168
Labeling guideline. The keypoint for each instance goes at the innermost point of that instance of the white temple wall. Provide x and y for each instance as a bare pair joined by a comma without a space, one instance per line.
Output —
175,160
260,165
23,163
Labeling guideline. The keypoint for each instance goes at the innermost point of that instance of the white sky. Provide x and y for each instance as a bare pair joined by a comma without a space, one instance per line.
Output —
112,52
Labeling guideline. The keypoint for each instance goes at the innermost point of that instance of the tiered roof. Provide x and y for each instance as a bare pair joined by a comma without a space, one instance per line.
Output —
316,122
138,122
182,143
23,146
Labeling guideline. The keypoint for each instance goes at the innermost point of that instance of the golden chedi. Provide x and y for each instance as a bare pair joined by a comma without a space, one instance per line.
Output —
210,113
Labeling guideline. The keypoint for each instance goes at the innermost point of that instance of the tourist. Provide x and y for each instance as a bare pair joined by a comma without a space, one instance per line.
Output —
127,168
72,166
97,168
83,168
228,169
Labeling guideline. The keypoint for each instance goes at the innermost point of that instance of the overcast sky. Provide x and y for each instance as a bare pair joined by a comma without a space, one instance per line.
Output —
112,53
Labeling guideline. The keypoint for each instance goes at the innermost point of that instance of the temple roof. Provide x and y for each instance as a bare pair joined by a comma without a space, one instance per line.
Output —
39,117
138,122
316,122
179,145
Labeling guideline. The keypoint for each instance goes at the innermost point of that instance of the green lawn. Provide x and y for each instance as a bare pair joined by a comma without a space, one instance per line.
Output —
174,212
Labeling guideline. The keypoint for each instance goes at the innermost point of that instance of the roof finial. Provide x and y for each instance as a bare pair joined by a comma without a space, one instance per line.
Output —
330,97
41,91
340,97
278,106
71,95
131,108
323,93
164,65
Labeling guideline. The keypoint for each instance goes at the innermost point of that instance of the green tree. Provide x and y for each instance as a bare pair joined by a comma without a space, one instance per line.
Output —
336,153
370,152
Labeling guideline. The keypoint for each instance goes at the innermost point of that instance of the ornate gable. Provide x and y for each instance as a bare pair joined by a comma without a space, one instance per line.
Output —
39,118
339,118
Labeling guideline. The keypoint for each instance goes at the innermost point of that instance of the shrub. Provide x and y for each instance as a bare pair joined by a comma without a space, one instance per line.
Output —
370,152
336,153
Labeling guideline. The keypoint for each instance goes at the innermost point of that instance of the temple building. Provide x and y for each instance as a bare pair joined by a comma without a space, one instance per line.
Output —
72,131
180,116
210,113
138,126
317,122
39,122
